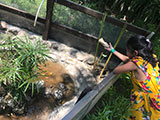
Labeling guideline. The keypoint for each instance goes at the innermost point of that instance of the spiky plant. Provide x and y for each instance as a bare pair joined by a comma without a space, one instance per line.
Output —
19,65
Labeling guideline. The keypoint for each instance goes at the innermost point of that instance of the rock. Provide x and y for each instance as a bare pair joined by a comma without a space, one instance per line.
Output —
54,46
21,33
48,44
13,30
77,76
111,66
10,103
90,61
18,110
1,104
40,84
2,91
3,25
58,94
62,87
49,93
1,99
80,56
33,37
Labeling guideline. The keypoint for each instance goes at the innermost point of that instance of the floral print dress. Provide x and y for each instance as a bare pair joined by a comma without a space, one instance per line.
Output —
145,95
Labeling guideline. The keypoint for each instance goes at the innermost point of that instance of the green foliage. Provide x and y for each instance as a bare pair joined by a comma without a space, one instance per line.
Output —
147,11
30,6
144,14
113,110
156,45
19,65
115,103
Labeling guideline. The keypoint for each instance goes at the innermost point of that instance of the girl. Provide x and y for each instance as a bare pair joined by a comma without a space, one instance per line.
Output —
145,76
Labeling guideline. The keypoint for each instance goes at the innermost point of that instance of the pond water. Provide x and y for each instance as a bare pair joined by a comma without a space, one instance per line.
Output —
41,107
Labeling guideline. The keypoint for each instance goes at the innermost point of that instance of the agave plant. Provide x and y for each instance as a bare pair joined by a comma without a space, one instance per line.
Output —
19,65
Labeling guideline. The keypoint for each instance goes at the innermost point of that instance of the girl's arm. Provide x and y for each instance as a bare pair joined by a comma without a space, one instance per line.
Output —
129,66
124,58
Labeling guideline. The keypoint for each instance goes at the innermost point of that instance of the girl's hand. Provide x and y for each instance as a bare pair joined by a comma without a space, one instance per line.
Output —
109,48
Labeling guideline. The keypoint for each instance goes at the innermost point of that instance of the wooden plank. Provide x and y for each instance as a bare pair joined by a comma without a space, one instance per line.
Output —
74,32
50,4
80,8
77,33
99,16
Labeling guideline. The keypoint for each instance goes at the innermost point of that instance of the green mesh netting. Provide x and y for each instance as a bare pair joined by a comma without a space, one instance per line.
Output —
72,18
88,24
30,6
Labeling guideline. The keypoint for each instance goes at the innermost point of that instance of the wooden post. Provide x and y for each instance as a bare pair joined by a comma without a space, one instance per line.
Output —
49,12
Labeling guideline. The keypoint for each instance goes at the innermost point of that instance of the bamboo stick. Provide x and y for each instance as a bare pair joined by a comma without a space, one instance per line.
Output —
100,34
120,35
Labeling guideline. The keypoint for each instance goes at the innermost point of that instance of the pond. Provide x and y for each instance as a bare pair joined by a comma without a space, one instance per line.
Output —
64,80
42,106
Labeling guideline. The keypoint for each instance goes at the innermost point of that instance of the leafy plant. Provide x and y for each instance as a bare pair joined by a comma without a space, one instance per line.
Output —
19,65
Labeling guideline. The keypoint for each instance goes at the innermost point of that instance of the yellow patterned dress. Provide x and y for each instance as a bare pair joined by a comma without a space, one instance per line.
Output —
145,95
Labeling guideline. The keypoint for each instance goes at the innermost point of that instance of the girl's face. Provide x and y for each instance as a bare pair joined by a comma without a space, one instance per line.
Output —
129,54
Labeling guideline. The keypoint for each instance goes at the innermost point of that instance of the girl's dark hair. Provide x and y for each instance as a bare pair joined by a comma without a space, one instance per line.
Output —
144,48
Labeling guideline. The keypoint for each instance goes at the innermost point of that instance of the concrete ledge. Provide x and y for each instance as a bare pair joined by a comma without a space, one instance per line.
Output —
88,101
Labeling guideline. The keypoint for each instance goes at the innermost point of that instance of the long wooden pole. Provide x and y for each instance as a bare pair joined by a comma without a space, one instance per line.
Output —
119,38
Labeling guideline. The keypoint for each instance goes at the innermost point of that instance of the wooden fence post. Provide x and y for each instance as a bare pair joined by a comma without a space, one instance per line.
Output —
49,12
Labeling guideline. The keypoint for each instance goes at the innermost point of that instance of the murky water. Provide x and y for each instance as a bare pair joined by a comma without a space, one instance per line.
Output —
53,73
41,107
